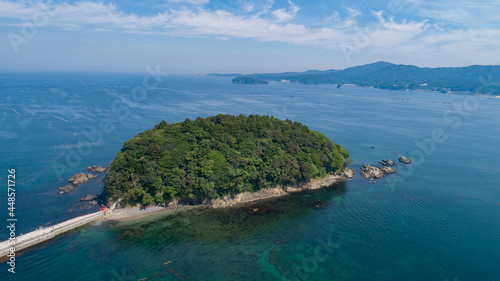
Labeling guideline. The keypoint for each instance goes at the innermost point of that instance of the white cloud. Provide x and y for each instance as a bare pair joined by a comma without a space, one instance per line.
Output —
257,7
261,22
353,13
288,14
10,9
217,24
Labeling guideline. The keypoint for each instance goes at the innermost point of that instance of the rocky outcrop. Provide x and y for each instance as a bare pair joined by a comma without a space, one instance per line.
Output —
348,173
387,170
369,171
404,160
374,173
97,169
387,162
245,197
67,188
78,179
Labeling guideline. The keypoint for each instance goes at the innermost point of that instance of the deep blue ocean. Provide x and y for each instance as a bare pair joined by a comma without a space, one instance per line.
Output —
435,219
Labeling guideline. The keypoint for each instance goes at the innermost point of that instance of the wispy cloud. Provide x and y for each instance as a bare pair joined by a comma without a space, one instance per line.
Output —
462,13
460,16
285,15
272,25
353,13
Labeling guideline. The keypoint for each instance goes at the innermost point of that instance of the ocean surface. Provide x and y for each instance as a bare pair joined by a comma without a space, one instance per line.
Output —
435,219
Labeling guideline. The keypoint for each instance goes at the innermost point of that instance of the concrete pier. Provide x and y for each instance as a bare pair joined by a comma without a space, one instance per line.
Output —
38,236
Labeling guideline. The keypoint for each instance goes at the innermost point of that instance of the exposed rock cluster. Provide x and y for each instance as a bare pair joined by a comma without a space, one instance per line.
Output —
369,171
388,170
374,173
82,178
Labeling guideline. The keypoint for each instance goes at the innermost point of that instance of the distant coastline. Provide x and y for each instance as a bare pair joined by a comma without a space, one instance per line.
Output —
384,75
248,80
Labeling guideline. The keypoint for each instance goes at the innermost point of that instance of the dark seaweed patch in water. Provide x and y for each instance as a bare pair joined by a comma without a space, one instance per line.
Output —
134,233
257,210
318,204
262,209
247,242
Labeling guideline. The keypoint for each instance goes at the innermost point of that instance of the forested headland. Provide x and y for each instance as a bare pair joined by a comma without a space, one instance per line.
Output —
470,79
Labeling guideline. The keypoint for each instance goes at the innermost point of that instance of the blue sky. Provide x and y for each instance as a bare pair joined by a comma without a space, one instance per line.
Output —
204,36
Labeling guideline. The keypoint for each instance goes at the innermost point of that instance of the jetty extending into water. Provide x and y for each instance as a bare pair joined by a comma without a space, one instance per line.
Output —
43,234
38,236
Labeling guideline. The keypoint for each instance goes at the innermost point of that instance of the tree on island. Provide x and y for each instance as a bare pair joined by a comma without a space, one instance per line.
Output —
211,157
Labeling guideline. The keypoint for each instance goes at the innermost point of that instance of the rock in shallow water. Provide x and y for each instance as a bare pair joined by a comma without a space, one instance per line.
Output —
404,160
369,171
67,188
78,179
388,170
387,162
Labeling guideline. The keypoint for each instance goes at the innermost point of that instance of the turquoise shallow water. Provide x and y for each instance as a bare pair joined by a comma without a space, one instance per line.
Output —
437,219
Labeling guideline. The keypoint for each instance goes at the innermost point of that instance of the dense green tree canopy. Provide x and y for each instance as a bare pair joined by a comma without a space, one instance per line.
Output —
215,156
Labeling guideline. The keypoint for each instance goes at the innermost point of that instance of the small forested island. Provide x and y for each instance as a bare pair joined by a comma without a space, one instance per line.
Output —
248,80
211,157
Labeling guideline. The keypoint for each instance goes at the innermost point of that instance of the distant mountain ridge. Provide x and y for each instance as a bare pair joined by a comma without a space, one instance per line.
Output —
484,79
